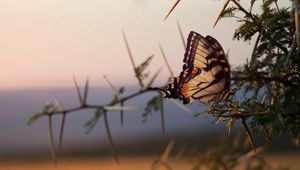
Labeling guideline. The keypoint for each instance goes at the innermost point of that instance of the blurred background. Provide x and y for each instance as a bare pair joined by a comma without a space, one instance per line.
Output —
44,43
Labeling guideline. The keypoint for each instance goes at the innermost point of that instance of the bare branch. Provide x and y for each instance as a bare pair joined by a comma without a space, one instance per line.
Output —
153,78
166,61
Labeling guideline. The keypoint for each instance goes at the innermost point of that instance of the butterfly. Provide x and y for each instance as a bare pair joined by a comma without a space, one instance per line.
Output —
205,76
206,72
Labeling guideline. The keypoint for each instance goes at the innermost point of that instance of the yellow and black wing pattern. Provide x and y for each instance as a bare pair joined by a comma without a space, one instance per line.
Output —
206,72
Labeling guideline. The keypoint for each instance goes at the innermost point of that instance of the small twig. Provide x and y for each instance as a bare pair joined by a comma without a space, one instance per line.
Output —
172,8
243,10
116,93
63,121
122,114
152,79
60,107
181,35
250,154
249,136
166,61
128,50
277,5
219,16
162,163
86,90
78,91
111,85
162,114
51,139
168,151
131,59
254,48
111,143
297,22
238,115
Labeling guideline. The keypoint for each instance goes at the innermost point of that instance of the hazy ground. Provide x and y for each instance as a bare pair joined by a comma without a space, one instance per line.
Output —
22,145
127,163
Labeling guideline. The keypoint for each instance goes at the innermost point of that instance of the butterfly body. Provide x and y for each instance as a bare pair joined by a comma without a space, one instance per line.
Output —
206,72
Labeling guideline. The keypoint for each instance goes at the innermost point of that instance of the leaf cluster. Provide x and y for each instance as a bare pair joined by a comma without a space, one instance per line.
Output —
270,81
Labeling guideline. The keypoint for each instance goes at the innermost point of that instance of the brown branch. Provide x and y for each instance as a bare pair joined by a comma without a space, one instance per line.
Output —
112,103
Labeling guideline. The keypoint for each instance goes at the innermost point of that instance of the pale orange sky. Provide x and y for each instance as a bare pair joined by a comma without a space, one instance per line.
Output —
44,42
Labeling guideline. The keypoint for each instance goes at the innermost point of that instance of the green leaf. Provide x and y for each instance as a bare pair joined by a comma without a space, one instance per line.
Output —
121,90
34,117
229,12
48,109
153,105
140,70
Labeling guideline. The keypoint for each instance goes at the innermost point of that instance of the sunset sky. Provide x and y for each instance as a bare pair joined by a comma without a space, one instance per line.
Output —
44,42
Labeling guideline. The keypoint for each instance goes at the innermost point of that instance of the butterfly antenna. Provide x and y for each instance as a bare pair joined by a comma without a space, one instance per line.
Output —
250,139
